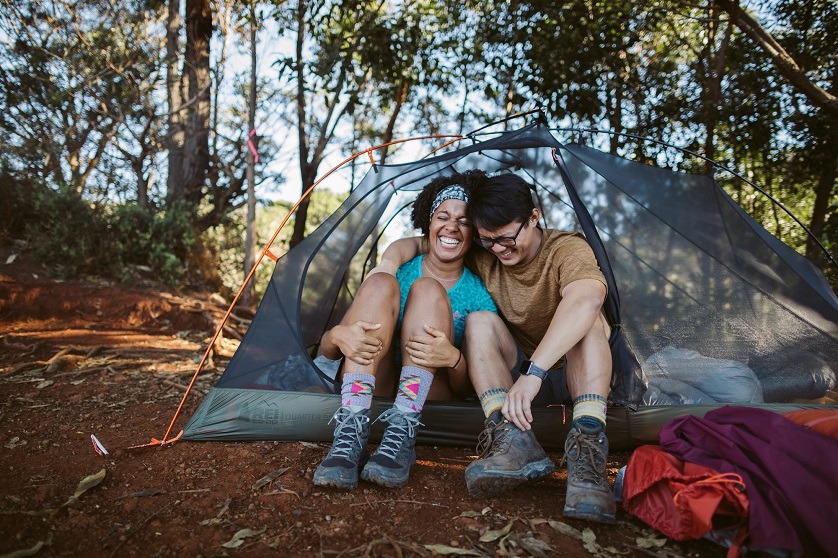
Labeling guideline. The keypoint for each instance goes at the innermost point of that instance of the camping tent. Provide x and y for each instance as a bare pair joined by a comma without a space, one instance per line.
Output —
708,307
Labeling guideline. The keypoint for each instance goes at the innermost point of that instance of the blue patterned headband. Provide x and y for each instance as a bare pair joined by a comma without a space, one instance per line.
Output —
453,192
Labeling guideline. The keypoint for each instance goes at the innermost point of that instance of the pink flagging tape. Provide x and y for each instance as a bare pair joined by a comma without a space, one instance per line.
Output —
252,146
97,446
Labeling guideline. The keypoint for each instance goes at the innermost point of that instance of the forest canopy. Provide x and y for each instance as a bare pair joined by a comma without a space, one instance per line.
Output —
141,137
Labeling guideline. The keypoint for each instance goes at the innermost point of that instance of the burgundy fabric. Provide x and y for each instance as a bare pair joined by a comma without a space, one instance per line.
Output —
790,473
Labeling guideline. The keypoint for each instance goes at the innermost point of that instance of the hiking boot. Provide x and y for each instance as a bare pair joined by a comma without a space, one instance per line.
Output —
509,456
390,464
588,494
349,450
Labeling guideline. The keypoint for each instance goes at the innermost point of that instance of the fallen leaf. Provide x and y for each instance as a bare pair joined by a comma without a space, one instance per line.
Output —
490,536
536,547
470,514
650,542
10,259
590,544
486,510
86,484
565,529
26,551
444,550
309,445
144,493
15,442
269,478
45,383
281,490
238,538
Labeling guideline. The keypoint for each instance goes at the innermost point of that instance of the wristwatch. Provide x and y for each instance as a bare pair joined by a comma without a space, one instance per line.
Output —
530,368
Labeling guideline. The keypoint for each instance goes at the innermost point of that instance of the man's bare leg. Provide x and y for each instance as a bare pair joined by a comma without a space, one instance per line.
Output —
586,449
509,456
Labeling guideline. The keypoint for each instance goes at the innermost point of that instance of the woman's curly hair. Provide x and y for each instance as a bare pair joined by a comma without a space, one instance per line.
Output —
421,215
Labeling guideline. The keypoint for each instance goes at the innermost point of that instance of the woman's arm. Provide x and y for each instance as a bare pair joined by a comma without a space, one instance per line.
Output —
397,254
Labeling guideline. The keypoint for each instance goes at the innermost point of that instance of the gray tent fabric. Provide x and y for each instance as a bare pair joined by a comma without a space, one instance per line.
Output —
688,270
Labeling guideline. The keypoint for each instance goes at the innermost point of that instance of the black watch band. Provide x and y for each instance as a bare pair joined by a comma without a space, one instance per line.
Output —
529,368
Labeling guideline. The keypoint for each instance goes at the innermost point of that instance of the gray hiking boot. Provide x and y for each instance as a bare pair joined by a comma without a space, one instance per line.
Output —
349,450
588,494
390,464
509,456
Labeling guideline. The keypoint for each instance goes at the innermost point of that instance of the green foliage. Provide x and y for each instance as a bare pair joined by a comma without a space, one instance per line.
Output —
228,238
162,241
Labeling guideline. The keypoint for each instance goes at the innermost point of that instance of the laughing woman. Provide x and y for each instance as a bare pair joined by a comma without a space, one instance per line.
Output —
410,319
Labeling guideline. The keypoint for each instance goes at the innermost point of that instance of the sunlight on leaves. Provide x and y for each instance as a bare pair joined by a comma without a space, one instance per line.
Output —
490,536
238,538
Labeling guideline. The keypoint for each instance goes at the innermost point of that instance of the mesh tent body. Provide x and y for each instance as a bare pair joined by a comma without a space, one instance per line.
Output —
706,306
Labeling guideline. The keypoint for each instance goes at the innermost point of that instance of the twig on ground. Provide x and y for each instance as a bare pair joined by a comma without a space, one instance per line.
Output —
399,502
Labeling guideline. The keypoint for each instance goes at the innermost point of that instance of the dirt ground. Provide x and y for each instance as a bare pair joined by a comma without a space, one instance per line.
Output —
92,358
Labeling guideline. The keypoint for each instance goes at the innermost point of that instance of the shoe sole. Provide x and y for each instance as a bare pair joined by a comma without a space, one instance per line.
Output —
375,474
590,516
490,484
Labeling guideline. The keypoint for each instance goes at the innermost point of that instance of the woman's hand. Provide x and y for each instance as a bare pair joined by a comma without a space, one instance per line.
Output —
356,343
433,350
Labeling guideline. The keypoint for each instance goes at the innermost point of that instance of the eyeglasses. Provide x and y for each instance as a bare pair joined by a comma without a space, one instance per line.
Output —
505,241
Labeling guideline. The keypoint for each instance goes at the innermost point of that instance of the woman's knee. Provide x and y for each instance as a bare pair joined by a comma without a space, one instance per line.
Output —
379,286
427,291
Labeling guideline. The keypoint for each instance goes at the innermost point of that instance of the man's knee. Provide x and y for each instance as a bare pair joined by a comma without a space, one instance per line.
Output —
483,325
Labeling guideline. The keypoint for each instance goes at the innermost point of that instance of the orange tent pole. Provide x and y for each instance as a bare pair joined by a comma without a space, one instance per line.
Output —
266,251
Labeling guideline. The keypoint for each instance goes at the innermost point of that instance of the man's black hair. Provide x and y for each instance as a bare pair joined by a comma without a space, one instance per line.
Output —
503,199
470,181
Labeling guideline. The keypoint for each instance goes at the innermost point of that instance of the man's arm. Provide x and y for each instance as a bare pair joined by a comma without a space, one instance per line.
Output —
397,254
574,318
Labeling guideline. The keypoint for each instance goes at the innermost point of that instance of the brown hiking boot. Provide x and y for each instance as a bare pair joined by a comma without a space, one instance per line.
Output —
509,456
588,494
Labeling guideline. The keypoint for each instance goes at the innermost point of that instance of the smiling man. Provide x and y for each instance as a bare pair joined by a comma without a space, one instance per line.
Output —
549,291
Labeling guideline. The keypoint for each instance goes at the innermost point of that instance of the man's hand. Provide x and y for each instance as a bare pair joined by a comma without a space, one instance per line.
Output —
433,350
517,407
356,343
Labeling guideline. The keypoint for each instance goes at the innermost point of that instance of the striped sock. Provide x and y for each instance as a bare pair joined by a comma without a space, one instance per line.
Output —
356,390
590,410
414,385
492,399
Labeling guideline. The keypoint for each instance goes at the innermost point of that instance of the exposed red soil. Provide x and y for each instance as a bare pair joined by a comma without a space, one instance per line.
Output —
82,358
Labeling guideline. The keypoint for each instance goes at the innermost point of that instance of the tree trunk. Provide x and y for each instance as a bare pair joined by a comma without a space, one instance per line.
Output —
174,90
196,62
249,294
823,195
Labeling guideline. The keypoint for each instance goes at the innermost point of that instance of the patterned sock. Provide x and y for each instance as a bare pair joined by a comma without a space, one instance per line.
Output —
414,385
589,410
492,399
356,390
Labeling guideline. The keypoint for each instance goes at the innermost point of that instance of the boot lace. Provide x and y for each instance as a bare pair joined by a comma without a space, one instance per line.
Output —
494,439
586,455
402,427
348,429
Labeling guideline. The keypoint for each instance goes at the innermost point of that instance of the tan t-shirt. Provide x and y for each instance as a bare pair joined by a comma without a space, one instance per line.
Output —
527,295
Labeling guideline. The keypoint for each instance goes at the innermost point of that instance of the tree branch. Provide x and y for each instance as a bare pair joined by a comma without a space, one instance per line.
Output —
782,60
